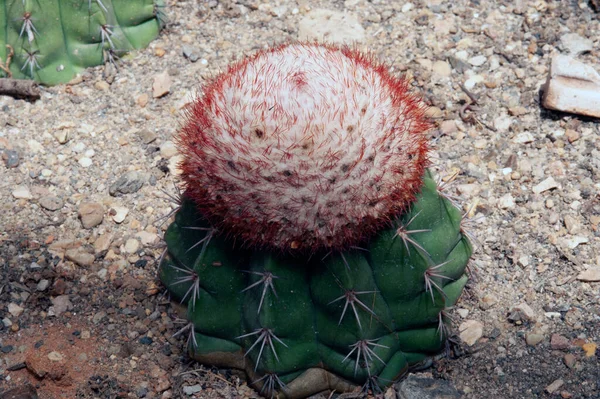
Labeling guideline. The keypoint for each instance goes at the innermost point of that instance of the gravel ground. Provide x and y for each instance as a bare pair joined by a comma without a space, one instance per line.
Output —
84,168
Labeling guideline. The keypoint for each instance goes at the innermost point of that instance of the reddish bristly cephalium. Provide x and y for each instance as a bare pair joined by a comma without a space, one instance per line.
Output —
304,146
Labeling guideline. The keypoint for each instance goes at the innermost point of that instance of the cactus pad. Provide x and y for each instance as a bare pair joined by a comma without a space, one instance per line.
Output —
337,320
53,40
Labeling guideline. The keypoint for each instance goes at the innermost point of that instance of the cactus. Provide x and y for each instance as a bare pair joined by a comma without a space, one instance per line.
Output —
311,247
53,40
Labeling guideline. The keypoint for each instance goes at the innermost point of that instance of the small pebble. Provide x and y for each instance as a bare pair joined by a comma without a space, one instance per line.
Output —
192,389
145,340
11,158
85,162
161,85
190,53
119,213
51,203
128,183
91,214
22,192
15,310
131,246
470,331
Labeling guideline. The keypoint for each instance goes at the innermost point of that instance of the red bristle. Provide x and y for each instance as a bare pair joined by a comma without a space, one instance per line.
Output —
282,151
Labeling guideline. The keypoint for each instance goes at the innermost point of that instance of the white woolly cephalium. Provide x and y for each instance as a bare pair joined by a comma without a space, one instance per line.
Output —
304,146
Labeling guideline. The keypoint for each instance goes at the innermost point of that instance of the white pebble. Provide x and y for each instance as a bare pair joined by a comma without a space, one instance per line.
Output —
85,162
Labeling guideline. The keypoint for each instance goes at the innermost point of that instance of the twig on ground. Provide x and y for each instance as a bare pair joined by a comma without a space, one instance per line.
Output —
16,87
196,371
468,107
19,88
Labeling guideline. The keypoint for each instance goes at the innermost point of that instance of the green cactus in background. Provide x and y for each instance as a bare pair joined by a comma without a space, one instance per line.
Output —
53,40
311,247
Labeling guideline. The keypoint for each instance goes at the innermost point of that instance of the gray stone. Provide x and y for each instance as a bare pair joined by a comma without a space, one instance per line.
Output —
190,53
42,285
192,389
51,203
420,387
11,158
129,183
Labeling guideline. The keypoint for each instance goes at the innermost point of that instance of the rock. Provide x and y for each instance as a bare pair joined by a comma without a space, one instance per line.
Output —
190,53
524,138
572,135
458,64
15,310
421,387
545,185
102,243
448,127
22,192
569,360
85,162
575,45
533,339
118,213
442,68
521,312
131,246
330,26
147,238
147,136
470,331
79,257
91,214
559,343
590,275
60,305
572,224
101,85
502,123
11,158
142,100
168,149
21,392
42,285
51,203
192,389
98,317
473,80
477,60
572,86
574,241
129,183
554,386
55,356
506,202
62,136
161,85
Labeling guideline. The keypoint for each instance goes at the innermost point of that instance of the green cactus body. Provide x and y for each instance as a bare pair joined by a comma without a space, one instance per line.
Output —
53,40
300,325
